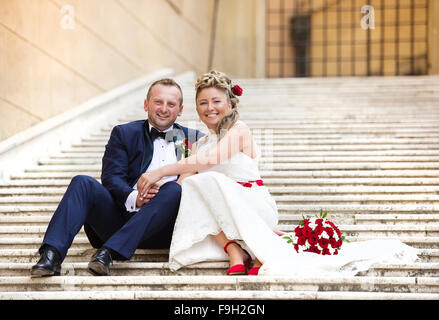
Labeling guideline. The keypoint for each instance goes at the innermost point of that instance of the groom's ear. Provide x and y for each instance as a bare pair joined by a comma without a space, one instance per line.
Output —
145,105
180,112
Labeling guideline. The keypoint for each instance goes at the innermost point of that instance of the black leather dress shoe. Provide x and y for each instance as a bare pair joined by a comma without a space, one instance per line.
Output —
99,264
49,263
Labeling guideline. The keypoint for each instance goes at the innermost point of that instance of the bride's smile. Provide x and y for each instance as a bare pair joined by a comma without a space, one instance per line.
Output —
212,105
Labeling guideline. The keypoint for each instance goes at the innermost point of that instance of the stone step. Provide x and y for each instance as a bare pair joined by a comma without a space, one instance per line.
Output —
340,211
379,173
372,230
324,200
411,189
274,159
259,130
76,254
303,116
396,218
35,183
351,166
403,270
21,222
354,199
286,153
307,105
7,190
291,139
329,88
336,181
308,209
222,295
341,159
86,283
53,176
275,140
295,114
79,169
283,209
42,219
321,92
269,147
366,219
307,108
342,100
24,241
418,240
27,209
38,217
25,220
318,190
373,82
298,148
30,232
344,128
119,268
283,134
36,190
303,179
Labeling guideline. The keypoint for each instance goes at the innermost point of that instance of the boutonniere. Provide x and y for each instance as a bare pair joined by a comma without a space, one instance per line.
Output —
184,146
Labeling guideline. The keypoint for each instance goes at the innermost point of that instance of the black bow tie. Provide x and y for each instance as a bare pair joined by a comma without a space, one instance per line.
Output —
156,134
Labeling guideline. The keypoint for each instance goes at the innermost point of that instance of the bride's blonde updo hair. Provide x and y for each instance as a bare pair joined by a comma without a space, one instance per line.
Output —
221,81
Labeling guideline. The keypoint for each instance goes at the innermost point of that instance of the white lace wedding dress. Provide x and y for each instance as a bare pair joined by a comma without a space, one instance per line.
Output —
212,201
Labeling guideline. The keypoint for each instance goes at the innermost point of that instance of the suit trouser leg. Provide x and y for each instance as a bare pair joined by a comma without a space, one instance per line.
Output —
153,222
86,201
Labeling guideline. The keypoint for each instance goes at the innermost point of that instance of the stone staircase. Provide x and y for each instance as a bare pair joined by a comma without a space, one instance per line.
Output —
364,149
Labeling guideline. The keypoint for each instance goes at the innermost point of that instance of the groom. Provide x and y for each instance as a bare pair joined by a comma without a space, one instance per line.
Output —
116,219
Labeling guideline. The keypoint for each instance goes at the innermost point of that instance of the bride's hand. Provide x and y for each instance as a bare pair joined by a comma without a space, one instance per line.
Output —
146,181
279,233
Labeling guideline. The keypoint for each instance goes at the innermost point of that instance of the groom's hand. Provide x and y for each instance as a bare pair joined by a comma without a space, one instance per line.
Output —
147,181
140,201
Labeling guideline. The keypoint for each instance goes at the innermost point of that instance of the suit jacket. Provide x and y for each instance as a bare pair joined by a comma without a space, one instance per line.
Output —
128,154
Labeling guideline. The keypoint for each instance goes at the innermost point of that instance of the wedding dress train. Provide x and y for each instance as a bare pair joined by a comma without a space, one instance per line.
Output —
212,201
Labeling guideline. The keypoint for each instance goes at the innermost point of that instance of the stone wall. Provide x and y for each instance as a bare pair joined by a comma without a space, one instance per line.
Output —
56,54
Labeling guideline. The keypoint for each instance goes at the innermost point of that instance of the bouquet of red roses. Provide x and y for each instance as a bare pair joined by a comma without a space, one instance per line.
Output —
317,234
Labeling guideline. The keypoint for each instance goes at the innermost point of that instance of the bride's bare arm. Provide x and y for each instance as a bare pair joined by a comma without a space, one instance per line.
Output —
186,175
233,142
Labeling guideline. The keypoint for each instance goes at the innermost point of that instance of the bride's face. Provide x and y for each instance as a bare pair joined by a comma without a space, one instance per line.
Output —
212,105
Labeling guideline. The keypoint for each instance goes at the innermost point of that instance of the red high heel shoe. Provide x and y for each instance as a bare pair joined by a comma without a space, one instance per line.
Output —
254,271
238,269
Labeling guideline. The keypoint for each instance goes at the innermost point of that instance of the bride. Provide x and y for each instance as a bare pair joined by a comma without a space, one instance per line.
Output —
227,212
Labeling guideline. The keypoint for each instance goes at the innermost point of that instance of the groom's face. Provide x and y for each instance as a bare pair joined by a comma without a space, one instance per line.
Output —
163,106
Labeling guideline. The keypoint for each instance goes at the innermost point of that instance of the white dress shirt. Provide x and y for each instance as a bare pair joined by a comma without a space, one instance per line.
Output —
164,153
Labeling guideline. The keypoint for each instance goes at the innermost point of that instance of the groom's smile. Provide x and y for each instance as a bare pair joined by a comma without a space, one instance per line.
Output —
163,106
162,117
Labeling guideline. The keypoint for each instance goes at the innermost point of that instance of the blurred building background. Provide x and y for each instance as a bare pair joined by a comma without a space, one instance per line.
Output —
56,54
327,38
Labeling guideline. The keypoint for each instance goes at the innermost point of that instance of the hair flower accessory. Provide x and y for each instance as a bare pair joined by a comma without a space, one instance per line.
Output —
237,90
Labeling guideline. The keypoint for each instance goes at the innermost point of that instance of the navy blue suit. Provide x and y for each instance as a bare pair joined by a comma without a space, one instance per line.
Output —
100,208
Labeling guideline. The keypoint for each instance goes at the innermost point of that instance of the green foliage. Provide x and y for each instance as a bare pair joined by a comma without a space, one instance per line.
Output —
322,214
